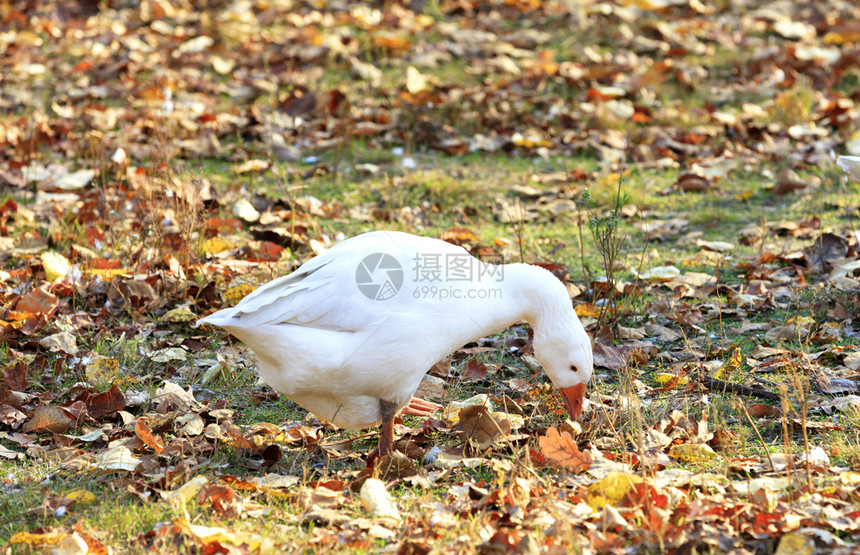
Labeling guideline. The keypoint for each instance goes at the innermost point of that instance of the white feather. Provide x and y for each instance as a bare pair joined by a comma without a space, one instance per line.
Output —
328,346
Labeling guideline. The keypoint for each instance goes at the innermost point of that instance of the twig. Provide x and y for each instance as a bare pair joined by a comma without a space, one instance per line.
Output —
739,389
743,407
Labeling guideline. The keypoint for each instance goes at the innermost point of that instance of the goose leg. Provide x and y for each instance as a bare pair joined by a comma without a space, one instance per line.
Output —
420,407
386,433
385,447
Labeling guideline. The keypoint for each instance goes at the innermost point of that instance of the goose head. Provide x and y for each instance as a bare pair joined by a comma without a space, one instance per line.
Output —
567,359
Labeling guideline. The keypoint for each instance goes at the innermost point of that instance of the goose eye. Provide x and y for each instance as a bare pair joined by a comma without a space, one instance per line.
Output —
573,368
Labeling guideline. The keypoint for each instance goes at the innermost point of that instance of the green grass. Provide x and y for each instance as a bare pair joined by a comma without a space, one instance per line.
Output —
443,192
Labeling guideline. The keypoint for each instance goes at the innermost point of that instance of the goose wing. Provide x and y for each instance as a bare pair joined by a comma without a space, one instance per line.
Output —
344,289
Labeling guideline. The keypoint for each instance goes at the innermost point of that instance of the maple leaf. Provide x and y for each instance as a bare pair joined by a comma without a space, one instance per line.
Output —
561,450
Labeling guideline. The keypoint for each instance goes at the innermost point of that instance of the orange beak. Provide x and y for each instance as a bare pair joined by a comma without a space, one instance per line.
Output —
573,397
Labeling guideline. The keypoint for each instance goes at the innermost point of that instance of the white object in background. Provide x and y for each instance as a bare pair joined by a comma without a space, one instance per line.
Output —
851,164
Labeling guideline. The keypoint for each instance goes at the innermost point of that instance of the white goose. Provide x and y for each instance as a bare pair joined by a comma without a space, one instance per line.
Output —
850,164
350,333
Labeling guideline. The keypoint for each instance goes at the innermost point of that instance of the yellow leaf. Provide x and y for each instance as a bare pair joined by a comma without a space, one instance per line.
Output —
841,38
805,321
530,141
187,491
81,496
48,538
730,367
611,489
55,265
102,371
664,378
209,534
238,292
179,314
586,309
796,543
107,274
692,452
214,245
610,179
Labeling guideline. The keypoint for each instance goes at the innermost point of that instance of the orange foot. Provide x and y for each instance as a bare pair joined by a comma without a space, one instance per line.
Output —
420,407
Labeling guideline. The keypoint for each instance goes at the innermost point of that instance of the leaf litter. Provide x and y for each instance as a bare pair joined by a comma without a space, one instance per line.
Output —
105,243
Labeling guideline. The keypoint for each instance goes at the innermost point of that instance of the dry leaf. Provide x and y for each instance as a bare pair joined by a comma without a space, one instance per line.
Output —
479,425
692,452
377,501
102,371
561,450
147,437
55,264
60,342
117,458
49,419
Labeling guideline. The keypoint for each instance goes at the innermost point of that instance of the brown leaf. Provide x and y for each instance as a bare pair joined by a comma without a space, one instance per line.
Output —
562,450
221,498
723,439
396,466
38,301
49,419
690,182
10,416
480,426
17,399
111,400
608,356
759,410
15,376
147,437
235,434
459,236
474,370
788,181
833,385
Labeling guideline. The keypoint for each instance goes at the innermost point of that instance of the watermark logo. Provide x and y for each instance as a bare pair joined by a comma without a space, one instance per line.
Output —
435,267
379,276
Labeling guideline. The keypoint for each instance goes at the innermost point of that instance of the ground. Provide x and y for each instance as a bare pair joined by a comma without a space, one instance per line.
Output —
672,162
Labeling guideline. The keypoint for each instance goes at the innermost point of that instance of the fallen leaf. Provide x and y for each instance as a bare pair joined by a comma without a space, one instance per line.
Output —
147,437
833,385
106,402
49,419
63,342
689,182
377,501
561,450
38,301
186,492
117,458
55,265
479,425
102,371
788,182
759,410
660,273
611,489
692,452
